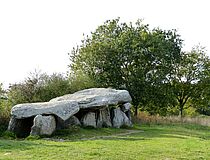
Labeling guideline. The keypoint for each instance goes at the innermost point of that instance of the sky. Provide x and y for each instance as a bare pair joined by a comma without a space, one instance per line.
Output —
39,34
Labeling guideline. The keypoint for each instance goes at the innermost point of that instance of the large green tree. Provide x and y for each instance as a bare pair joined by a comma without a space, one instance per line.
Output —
129,56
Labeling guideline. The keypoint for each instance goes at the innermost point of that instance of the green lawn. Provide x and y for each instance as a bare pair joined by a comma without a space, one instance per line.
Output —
144,142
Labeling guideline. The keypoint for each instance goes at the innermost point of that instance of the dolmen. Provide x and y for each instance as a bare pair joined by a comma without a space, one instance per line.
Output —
95,107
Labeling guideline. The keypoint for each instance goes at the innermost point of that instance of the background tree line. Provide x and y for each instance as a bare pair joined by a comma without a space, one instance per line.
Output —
150,64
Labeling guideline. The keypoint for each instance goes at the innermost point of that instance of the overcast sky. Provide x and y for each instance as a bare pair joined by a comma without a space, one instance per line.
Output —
39,34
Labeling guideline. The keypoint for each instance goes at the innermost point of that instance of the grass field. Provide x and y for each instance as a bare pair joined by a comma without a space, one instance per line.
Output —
165,142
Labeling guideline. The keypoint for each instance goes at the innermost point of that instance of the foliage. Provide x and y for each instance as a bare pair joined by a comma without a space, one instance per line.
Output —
79,81
5,107
129,56
1,89
192,118
53,86
189,81
38,88
8,135
34,137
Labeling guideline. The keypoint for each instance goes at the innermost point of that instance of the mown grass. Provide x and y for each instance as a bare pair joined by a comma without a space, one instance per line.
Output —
151,142
77,133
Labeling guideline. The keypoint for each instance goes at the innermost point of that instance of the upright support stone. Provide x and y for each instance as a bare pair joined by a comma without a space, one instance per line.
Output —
89,120
120,119
104,119
126,107
12,124
43,125
72,121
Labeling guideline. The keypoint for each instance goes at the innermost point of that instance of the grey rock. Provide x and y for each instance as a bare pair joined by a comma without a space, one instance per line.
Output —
97,97
120,119
12,123
62,109
43,125
104,119
128,114
126,107
89,120
72,121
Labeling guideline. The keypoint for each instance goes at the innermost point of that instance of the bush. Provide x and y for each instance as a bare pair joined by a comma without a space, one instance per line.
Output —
9,135
30,137
146,118
5,108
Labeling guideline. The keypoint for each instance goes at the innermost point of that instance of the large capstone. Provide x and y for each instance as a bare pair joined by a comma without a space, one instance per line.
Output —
97,97
120,119
62,109
43,125
89,120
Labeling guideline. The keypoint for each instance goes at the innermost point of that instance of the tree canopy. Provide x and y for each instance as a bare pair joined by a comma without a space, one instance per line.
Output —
189,81
129,56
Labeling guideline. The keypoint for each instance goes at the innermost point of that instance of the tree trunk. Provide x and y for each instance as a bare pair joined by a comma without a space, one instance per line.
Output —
136,111
181,110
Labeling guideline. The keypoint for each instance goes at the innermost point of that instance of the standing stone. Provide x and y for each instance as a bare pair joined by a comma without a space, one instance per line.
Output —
120,119
89,120
12,124
43,125
126,107
72,121
104,119
128,114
